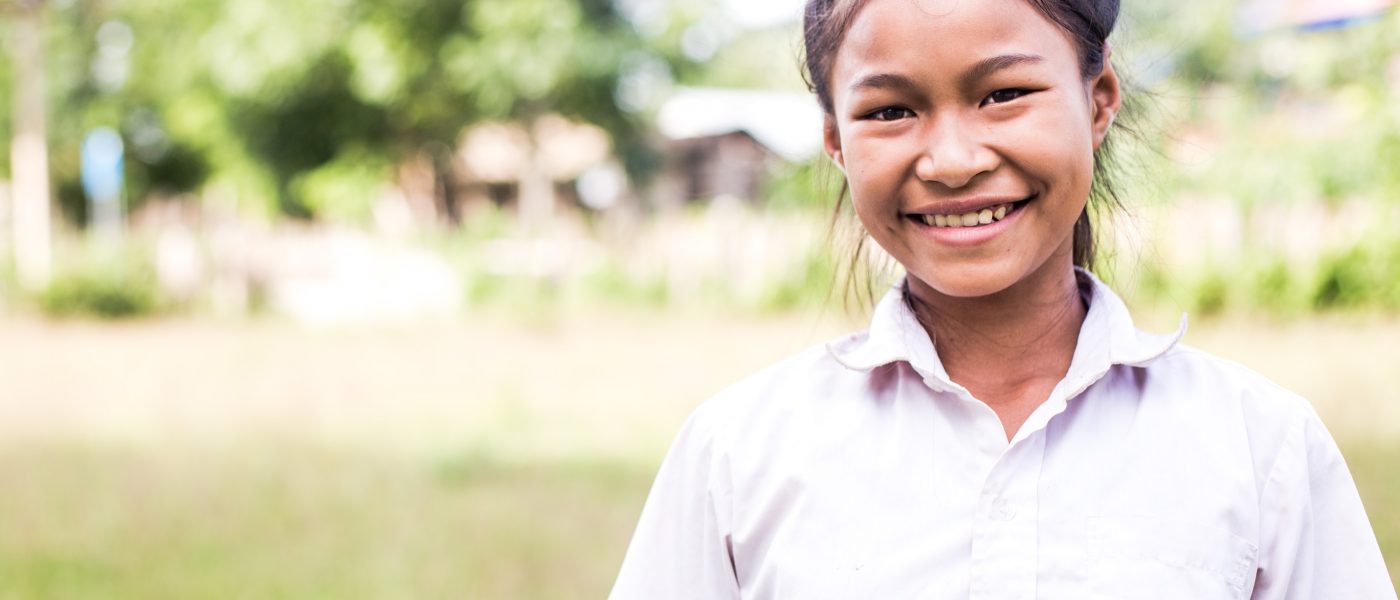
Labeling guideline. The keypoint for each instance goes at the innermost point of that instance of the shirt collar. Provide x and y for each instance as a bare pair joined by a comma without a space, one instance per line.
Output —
1107,337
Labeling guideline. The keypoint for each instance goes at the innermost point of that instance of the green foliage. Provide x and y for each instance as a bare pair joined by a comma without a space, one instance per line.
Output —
304,107
1278,288
104,291
1361,276
257,95
809,285
808,186
343,189
521,293
1211,294
605,286
1286,116
613,285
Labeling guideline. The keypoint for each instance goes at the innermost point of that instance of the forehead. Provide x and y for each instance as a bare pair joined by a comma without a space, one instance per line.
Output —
942,35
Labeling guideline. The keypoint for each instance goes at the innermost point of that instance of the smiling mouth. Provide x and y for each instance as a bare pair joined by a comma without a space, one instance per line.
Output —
986,216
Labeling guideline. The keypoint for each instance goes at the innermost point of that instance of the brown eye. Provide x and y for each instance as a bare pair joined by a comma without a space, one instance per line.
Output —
890,114
1006,95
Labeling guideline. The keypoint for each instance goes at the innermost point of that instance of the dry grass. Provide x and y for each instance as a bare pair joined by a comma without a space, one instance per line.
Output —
547,388
482,458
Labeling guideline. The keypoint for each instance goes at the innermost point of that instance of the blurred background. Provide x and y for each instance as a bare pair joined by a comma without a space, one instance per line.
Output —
406,298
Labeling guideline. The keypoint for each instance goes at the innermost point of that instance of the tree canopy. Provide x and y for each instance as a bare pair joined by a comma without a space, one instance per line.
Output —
299,106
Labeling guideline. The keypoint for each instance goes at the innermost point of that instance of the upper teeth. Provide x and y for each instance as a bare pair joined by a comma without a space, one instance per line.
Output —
972,219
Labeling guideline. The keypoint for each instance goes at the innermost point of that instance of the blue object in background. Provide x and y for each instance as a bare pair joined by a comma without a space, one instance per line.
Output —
1257,17
102,163
102,176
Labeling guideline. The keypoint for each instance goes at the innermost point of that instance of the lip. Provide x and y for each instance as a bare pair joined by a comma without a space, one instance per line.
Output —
971,236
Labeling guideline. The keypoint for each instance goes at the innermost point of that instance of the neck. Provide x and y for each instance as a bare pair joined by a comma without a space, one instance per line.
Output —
1010,348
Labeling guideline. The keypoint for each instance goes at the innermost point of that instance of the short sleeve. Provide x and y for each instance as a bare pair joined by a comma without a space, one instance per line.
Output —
681,548
1316,541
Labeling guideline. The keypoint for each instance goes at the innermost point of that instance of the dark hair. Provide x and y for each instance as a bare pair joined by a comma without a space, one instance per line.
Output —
1088,24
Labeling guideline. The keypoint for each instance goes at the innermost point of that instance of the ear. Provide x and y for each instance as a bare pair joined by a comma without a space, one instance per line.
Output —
831,142
1105,98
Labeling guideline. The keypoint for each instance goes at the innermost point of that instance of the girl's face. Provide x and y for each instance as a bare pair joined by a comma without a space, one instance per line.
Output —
966,131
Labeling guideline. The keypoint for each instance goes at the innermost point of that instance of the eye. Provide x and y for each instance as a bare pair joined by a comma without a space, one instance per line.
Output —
890,113
1003,96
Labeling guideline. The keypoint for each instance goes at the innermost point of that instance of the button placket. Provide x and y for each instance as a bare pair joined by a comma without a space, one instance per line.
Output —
1004,533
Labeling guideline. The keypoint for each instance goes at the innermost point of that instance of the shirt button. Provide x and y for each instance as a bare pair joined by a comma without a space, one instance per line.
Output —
1002,510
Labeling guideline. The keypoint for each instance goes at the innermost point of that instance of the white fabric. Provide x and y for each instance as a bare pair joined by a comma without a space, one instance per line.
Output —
859,470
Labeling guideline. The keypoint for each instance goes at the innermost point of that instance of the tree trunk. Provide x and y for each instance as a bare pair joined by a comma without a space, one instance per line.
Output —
536,192
29,163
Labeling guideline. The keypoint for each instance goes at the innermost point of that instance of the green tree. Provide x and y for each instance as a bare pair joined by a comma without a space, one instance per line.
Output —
301,102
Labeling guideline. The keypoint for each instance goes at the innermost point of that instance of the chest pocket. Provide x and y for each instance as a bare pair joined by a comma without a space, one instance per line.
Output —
1147,557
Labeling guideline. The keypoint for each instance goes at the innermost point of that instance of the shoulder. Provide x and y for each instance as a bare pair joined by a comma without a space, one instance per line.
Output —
1224,396
1191,372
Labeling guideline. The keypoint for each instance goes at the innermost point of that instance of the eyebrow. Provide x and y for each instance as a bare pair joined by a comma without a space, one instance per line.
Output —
982,69
884,81
988,66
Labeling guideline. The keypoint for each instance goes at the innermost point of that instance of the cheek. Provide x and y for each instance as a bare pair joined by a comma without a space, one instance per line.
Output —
1059,155
874,201
873,170
872,207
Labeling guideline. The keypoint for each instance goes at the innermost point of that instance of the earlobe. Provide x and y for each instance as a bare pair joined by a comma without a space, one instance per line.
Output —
1105,97
831,142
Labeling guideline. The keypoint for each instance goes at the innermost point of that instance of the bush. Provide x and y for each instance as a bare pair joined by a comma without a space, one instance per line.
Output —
115,292
1361,276
1364,276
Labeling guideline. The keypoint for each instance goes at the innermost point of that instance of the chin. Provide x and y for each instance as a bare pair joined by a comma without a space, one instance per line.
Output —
966,280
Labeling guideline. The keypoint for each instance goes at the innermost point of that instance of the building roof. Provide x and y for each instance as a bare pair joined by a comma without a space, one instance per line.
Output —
789,124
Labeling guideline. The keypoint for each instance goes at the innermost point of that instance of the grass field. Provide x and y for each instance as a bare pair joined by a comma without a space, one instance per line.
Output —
486,458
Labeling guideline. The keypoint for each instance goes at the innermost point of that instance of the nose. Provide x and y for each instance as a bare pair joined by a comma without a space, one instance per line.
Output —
952,156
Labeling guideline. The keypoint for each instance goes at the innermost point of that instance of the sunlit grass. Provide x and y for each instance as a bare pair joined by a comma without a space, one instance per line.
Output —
190,460
97,523
299,522
1375,466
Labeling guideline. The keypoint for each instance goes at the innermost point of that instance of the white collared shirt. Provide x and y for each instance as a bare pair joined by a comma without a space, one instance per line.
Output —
860,470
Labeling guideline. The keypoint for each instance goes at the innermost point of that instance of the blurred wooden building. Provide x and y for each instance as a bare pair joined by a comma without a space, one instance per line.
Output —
727,143
713,143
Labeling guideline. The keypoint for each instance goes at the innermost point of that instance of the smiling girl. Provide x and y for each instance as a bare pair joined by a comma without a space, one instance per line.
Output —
1002,430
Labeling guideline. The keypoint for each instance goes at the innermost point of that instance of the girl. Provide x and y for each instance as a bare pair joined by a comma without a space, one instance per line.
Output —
1001,430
